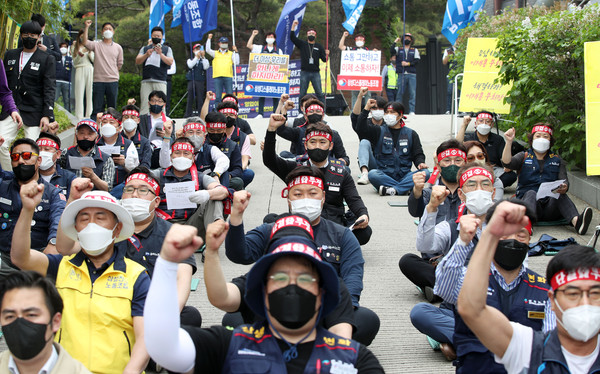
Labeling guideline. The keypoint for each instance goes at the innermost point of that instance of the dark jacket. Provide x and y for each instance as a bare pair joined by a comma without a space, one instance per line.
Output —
316,50
63,70
50,42
296,136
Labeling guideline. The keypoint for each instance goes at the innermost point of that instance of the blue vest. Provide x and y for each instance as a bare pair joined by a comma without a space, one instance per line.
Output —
547,357
410,57
123,144
253,349
99,159
204,162
524,304
62,180
266,50
167,176
394,159
238,136
531,175
153,72
197,73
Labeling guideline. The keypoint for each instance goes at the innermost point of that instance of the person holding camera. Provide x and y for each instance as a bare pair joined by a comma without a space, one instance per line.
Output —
157,59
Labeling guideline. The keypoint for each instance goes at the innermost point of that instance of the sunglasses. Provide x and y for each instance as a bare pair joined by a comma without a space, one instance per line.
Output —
26,155
479,156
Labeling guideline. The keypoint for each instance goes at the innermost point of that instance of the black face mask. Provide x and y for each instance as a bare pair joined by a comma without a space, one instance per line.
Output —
292,306
407,42
314,118
215,138
449,173
230,122
155,108
29,43
156,40
510,254
23,172
318,154
311,38
85,144
25,339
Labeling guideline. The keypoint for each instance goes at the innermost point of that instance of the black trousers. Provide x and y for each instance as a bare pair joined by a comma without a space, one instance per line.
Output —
418,270
195,97
550,209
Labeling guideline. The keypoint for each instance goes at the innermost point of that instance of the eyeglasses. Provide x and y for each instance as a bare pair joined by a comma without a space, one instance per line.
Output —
479,156
485,184
283,279
574,294
157,102
142,191
458,161
26,155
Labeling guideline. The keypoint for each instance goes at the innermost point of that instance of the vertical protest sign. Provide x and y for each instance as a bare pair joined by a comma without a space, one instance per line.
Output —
592,107
479,90
267,75
360,68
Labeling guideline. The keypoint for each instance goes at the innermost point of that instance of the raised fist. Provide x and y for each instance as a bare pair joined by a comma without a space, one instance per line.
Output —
88,23
254,32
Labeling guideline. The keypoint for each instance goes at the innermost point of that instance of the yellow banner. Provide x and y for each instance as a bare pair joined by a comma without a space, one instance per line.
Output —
478,91
325,87
592,107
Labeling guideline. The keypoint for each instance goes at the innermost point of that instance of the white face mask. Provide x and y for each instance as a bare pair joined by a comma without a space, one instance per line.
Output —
108,34
270,41
479,201
63,51
377,114
181,163
483,129
359,43
129,125
223,45
47,160
139,208
311,208
390,119
581,322
540,145
94,239
108,130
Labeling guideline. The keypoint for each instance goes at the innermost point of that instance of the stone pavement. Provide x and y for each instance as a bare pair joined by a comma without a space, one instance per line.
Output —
399,346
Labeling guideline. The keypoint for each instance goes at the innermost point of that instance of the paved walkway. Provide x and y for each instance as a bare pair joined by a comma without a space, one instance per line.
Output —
399,346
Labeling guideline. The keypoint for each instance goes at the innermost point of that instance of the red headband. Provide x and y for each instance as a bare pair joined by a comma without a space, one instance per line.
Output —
297,247
216,125
229,98
485,116
529,228
194,126
47,143
452,152
562,277
182,147
541,128
147,179
88,122
292,221
131,112
318,133
314,107
474,172
303,179
228,111
110,116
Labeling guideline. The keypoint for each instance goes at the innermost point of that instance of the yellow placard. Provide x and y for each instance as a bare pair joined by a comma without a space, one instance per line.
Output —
478,91
325,87
592,107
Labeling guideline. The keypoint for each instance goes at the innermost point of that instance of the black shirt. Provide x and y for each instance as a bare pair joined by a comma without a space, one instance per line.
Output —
494,146
307,50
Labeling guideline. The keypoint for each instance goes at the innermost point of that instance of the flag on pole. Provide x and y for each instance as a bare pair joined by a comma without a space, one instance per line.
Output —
198,17
292,10
177,4
459,14
157,15
353,9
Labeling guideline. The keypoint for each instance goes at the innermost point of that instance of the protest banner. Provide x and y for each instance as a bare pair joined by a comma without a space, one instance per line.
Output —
592,107
360,68
267,75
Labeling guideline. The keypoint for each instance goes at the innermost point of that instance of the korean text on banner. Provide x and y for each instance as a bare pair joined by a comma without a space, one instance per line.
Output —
592,107
478,91
267,75
358,69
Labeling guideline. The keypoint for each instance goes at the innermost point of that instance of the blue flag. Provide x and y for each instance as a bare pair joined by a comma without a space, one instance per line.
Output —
353,10
157,15
177,4
293,10
459,14
198,17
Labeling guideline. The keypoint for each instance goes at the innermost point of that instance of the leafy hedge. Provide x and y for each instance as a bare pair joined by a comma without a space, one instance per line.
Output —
129,87
542,54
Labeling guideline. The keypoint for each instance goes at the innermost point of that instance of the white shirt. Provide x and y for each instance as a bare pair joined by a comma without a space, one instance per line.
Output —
25,56
257,48
132,159
154,139
47,368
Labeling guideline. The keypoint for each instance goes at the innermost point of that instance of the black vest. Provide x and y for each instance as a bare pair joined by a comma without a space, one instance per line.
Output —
153,72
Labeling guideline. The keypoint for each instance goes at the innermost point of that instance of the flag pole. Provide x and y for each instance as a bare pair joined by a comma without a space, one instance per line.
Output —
96,19
327,56
233,41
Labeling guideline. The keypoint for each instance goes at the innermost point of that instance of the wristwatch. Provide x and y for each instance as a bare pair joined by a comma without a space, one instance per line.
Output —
215,174
52,241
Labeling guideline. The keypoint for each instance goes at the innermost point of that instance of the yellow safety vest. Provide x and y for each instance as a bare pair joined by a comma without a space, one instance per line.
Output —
392,77
222,64
97,326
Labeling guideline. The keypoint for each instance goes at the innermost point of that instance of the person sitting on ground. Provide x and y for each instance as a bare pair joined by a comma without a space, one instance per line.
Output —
153,125
101,315
540,164
130,115
574,277
366,160
30,315
103,173
305,195
50,171
228,296
434,240
395,148
494,143
477,153
286,104
339,184
292,288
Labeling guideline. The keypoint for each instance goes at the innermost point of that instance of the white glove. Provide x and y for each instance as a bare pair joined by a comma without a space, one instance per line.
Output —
199,197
